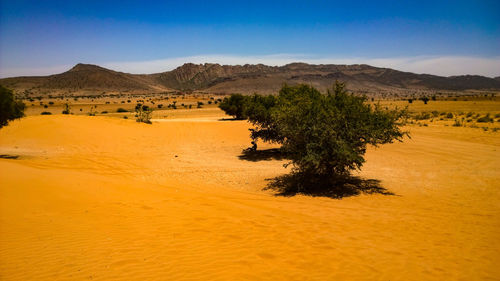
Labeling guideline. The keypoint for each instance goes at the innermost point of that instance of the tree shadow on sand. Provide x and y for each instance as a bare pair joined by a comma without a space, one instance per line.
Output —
7,156
336,188
230,119
261,155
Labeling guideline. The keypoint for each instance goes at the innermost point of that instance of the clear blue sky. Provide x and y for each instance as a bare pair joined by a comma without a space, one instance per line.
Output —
42,35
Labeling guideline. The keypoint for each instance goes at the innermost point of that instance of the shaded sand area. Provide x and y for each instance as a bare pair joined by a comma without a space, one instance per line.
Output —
99,198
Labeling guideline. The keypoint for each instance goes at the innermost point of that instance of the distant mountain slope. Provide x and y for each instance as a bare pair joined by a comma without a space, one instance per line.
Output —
201,76
86,77
262,78
216,78
93,77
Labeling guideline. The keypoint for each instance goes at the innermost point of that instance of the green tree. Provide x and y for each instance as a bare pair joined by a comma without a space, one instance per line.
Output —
258,110
327,135
324,136
10,108
234,106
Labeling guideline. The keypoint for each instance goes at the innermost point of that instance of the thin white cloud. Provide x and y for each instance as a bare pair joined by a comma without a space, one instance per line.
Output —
32,71
437,65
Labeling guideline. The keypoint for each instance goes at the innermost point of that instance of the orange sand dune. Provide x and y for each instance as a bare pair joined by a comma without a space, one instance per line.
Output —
96,198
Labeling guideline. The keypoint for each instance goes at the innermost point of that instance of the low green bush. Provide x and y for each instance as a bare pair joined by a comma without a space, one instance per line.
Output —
423,116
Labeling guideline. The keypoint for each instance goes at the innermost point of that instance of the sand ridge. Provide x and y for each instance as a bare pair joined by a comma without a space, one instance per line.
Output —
97,198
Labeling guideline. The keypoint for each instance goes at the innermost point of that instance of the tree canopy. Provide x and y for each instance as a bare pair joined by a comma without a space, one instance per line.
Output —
328,134
234,106
10,108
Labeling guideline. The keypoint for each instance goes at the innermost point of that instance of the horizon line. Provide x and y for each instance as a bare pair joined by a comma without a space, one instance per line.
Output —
433,65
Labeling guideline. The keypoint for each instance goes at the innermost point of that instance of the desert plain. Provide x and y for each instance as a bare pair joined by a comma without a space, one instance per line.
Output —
107,198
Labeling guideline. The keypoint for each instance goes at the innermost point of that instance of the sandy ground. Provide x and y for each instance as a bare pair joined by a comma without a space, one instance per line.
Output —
99,198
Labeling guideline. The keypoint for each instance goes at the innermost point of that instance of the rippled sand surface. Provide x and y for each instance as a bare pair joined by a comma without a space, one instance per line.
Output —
97,198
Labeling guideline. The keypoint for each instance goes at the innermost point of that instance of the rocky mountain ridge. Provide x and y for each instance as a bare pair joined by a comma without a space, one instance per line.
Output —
247,79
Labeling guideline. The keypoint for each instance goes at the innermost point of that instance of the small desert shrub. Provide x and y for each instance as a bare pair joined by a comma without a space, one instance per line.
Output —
46,113
497,115
104,112
143,113
45,106
67,109
449,115
457,123
51,102
125,117
423,116
469,114
160,105
485,119
435,113
92,111
121,110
